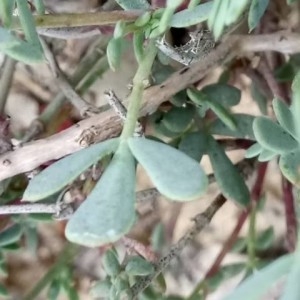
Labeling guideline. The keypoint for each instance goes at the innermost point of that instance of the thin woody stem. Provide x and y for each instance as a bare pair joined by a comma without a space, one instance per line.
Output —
83,19
201,221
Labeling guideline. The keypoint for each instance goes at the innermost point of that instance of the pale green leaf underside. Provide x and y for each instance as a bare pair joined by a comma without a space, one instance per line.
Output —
257,10
289,164
284,116
59,174
7,39
253,151
255,286
174,174
108,212
133,4
272,136
19,49
266,155
189,17
292,288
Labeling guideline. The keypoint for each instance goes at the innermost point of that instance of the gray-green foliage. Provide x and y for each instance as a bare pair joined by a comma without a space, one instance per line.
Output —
28,50
108,213
257,285
109,207
279,138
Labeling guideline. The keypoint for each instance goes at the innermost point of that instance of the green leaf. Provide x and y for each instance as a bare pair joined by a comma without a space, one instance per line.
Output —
224,94
7,39
292,288
266,155
193,144
225,273
54,289
295,107
179,99
253,151
28,24
217,17
114,53
228,178
138,40
257,10
134,4
223,114
143,19
109,207
255,286
3,269
61,173
25,52
285,72
175,175
259,98
101,288
198,97
72,293
138,266
243,127
189,17
3,291
160,128
10,235
272,136
40,6
235,10
111,263
177,119
120,29
284,116
289,164
31,236
158,238
239,246
11,247
265,239
6,11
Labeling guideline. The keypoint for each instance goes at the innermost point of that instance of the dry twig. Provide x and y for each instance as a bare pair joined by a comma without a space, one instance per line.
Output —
34,154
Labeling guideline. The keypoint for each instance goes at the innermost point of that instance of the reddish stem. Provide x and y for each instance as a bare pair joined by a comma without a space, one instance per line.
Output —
255,196
290,215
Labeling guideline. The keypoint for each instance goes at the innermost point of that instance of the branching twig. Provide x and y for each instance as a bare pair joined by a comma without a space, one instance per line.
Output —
59,211
255,196
6,79
29,157
93,60
201,221
82,19
84,108
290,215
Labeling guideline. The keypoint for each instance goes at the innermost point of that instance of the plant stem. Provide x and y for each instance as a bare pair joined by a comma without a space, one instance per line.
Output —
201,221
6,80
255,195
83,19
136,95
92,65
65,258
290,215
251,238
